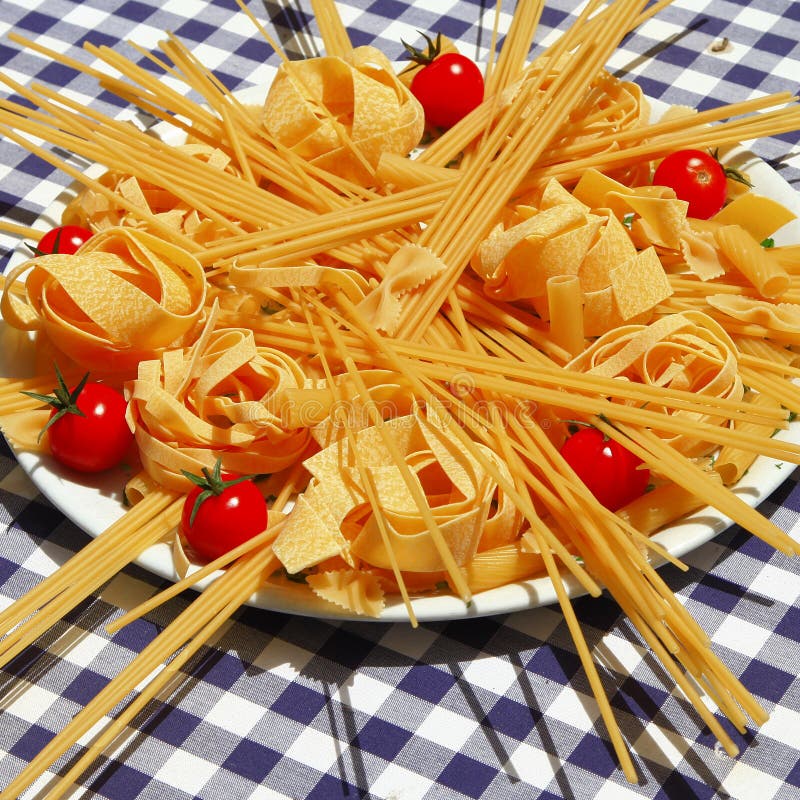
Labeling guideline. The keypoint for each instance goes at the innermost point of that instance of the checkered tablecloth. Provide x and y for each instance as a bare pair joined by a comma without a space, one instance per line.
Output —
495,708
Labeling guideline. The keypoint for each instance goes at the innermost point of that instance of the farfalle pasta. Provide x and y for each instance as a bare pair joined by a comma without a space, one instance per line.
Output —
349,589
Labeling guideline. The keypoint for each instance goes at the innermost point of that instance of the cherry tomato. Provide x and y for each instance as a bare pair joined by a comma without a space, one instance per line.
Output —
64,239
448,88
610,471
87,430
696,177
221,512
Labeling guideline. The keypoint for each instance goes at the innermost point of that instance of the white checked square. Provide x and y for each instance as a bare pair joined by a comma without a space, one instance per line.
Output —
532,765
663,746
146,36
348,14
398,783
186,772
364,693
84,16
746,781
263,793
619,654
783,725
46,558
777,583
741,636
411,642
574,708
81,647
697,82
446,728
495,674
538,623
211,57
59,45
786,68
315,749
283,659
398,30
31,704
187,9
616,791
757,20
17,482
235,714
241,25
434,6
41,785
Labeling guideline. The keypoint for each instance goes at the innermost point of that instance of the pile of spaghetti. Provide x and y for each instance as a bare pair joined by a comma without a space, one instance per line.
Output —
401,346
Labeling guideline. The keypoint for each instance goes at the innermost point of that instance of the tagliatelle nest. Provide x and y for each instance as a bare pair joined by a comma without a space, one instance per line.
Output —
126,298
342,113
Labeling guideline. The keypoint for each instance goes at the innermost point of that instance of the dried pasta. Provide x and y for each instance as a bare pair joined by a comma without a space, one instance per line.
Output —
398,348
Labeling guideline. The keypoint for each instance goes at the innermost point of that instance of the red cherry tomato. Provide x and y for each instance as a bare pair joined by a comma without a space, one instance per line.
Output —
232,511
64,239
696,177
609,470
96,441
448,88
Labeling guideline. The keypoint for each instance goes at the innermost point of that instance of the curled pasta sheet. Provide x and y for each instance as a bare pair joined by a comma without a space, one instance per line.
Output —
220,398
349,589
516,263
581,234
23,429
462,496
340,114
760,216
655,215
609,106
623,104
123,298
687,351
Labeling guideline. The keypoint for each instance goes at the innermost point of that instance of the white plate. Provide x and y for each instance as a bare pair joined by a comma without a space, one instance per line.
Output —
94,503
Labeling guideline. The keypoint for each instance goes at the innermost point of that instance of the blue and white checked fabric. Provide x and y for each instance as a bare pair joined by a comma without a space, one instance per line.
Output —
281,707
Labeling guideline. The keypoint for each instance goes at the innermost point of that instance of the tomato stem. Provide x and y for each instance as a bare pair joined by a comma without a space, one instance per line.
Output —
732,173
423,56
62,400
212,484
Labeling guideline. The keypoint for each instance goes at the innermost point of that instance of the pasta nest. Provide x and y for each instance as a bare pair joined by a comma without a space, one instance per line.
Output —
686,351
220,398
145,205
124,297
342,113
